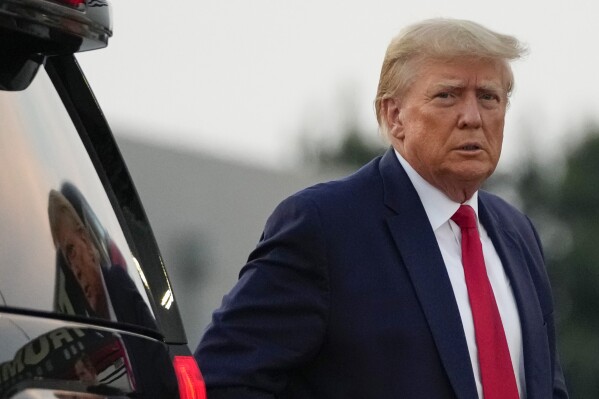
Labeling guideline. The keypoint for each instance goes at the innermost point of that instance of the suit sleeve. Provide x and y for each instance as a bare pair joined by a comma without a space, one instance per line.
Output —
559,384
274,319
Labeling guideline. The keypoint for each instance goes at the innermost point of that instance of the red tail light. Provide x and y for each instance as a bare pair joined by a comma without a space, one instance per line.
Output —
191,383
77,4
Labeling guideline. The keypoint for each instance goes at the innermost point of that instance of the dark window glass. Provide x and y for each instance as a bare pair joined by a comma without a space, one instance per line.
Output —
62,247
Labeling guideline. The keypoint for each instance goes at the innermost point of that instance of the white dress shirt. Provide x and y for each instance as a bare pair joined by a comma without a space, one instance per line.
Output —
439,209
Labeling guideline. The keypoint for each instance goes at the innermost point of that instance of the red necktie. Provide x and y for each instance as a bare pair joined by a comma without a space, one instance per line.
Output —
496,371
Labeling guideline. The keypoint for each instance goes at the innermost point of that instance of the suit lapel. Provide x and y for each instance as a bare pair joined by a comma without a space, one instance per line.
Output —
419,251
534,338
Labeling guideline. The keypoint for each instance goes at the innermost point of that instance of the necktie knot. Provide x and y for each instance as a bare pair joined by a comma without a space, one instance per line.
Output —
465,217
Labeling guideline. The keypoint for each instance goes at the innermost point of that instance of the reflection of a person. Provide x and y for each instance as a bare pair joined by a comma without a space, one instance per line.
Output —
99,272
86,371
94,260
82,257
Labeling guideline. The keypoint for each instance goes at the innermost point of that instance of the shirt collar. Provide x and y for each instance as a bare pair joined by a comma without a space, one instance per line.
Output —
439,207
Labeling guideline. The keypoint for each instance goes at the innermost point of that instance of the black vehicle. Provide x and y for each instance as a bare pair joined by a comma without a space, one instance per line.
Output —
86,307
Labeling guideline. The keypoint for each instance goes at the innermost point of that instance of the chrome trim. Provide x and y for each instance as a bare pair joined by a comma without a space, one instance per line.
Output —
40,18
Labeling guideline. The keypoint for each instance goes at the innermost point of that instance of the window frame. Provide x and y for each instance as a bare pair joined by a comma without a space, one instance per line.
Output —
97,138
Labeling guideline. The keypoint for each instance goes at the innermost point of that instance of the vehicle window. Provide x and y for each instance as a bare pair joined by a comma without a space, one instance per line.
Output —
62,247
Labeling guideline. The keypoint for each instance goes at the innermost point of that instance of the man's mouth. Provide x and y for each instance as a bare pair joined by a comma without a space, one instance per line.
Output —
470,147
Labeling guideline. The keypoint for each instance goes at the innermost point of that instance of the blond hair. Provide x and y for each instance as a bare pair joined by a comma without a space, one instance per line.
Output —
440,39
60,207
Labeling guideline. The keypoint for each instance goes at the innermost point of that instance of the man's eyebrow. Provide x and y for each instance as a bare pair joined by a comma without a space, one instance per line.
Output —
449,84
489,86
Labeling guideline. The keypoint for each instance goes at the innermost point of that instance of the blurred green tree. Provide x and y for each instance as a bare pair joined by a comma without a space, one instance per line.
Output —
352,151
575,267
354,147
563,202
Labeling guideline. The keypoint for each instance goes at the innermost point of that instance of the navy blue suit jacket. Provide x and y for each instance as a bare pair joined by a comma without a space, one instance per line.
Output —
347,296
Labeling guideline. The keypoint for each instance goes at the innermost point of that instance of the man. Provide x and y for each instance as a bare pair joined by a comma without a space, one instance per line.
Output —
402,280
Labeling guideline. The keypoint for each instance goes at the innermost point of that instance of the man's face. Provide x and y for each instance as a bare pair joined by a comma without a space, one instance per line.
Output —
449,124
85,373
82,258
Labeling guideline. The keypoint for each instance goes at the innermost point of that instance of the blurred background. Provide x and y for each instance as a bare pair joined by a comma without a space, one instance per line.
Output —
224,108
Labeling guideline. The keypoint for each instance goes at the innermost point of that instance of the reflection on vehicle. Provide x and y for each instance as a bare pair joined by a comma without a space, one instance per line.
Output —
86,371
94,360
78,317
92,278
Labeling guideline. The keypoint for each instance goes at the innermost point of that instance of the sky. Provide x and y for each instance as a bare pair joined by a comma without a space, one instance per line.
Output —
252,80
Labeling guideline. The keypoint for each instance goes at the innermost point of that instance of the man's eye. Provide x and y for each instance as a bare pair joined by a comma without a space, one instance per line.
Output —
444,94
488,97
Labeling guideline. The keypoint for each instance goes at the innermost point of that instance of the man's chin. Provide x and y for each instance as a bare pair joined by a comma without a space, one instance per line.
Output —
473,172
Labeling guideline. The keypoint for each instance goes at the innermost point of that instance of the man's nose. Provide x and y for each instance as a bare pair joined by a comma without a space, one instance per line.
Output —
470,113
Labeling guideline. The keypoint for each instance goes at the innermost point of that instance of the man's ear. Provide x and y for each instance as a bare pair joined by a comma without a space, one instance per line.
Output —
391,112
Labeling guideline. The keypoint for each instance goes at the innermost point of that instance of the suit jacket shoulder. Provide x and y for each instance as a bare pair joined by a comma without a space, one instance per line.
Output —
507,216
